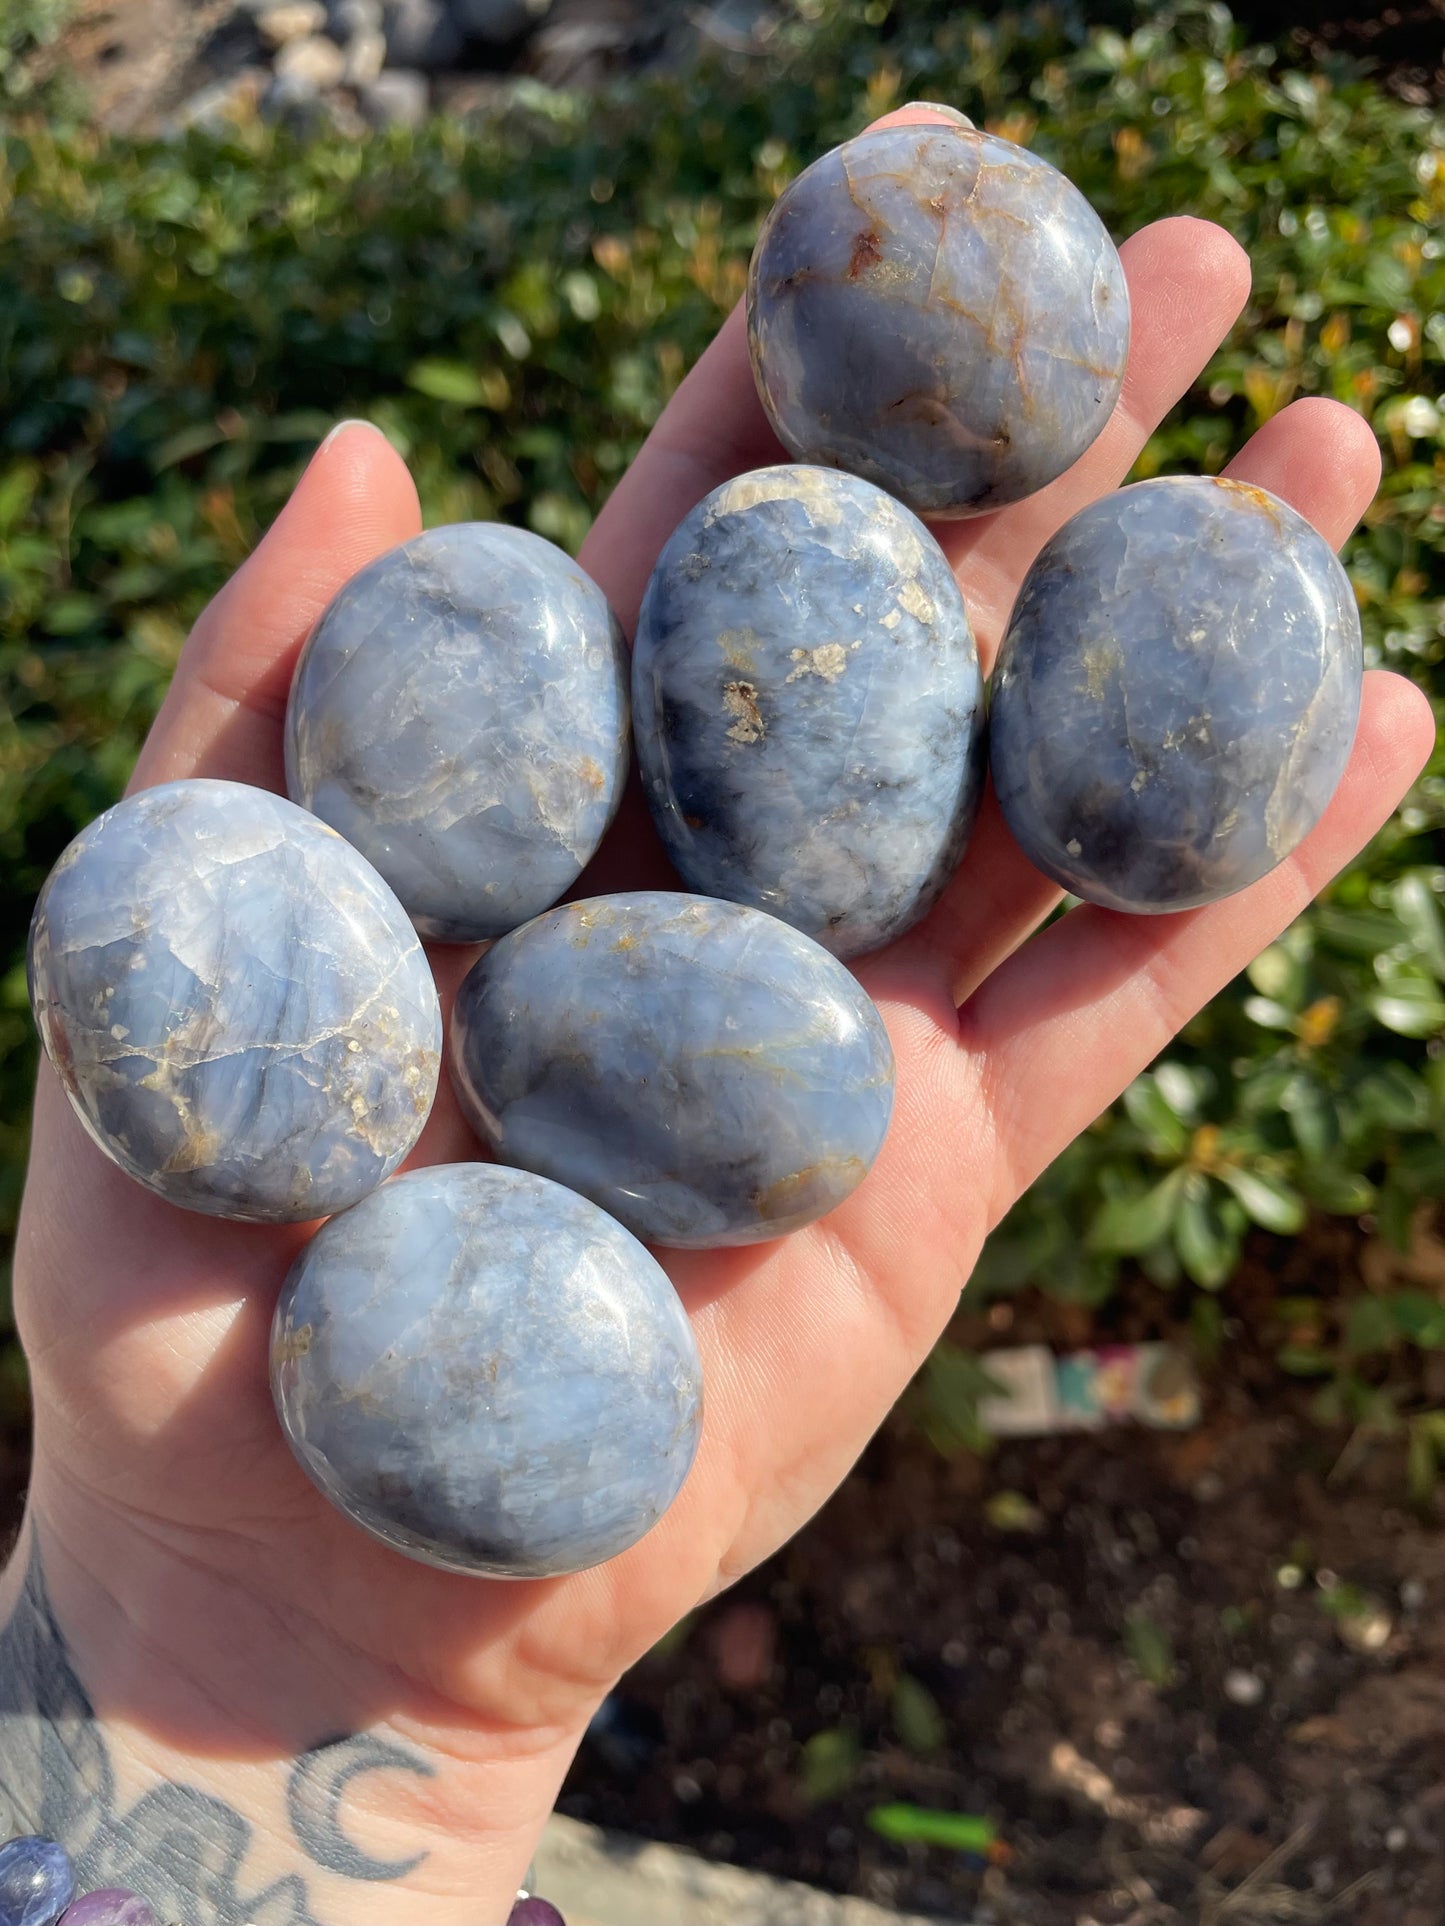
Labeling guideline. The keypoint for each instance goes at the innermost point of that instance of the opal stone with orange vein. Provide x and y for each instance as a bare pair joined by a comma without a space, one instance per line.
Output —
1177,693
701,1070
941,312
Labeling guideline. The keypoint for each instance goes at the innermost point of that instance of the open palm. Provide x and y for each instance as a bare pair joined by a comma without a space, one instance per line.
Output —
163,1491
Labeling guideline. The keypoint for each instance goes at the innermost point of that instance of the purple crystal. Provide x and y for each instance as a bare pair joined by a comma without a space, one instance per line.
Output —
37,1882
110,1906
534,1912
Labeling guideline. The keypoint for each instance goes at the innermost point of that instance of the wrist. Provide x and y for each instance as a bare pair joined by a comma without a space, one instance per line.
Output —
242,1797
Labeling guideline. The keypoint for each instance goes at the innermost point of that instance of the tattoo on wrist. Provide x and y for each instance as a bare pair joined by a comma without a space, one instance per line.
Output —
185,1849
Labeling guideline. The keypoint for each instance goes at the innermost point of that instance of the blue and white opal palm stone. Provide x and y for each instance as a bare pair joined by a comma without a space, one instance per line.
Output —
940,311
487,1373
1176,696
459,713
37,1880
807,705
235,1002
701,1070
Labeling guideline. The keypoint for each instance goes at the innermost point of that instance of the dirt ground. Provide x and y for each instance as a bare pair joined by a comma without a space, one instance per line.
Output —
1193,1679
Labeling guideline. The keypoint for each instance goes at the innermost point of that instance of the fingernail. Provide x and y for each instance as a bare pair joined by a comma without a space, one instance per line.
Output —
352,421
949,113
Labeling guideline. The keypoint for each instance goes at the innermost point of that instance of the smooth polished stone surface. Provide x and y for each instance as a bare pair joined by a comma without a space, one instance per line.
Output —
701,1070
940,311
37,1881
109,1906
459,713
1177,694
488,1373
239,1010
808,706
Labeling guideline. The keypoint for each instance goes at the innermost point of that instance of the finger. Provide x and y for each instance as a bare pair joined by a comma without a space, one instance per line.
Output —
712,429
1188,281
1320,457
223,713
1054,1035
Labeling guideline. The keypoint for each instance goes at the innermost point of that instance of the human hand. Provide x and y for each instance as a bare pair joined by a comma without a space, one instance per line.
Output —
190,1623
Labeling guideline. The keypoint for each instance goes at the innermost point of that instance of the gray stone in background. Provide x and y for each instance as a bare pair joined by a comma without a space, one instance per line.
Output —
487,1373
940,311
1177,694
397,97
598,1878
701,1070
460,714
498,23
422,33
235,1003
808,705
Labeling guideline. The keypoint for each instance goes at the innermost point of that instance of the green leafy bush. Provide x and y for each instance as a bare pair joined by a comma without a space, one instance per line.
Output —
514,301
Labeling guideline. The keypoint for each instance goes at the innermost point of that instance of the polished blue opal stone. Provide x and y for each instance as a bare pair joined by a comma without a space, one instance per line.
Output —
459,713
488,1373
235,1003
701,1070
109,1906
1176,696
940,311
37,1881
808,705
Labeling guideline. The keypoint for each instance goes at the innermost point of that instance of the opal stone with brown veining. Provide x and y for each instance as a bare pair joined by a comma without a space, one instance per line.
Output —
701,1070
941,312
1177,693
235,1002
808,705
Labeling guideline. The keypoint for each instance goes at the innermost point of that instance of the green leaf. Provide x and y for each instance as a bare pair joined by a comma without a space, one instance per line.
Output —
1207,1249
1425,1455
72,613
1271,1204
1410,1006
1418,908
1419,1317
917,1826
1150,1110
1278,977
1311,1116
1345,1193
1268,1014
1303,1361
830,1764
1370,1327
916,1717
1181,1088
450,381
1149,1646
1123,1226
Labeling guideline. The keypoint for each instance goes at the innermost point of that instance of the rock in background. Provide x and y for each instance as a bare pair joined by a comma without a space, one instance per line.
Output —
161,66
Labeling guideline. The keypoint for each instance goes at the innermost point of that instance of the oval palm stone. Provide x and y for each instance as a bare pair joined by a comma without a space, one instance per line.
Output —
235,1002
808,706
1177,693
940,311
488,1373
701,1070
459,713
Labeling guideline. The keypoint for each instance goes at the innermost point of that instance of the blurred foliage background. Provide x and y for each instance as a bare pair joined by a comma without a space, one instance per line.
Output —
513,300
